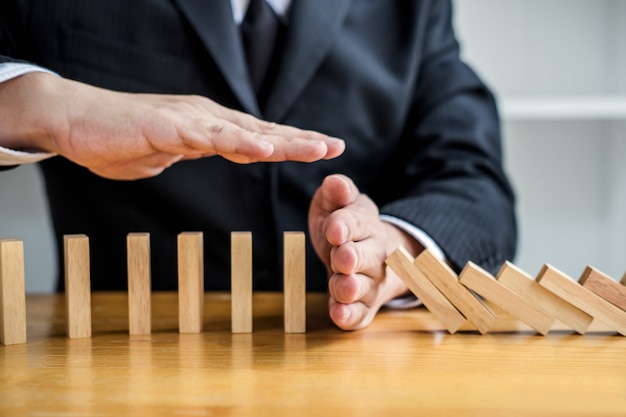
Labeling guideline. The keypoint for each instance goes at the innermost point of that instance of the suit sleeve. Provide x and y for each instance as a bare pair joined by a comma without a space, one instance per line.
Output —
451,169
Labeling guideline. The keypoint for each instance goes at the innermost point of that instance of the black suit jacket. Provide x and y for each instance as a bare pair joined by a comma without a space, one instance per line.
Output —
421,129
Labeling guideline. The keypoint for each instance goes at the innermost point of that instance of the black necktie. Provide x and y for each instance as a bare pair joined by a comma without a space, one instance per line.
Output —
259,30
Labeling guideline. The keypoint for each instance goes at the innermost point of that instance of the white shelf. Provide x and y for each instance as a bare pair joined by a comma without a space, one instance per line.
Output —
564,107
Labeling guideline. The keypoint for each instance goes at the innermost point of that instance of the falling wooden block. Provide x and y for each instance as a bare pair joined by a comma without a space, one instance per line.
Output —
190,282
294,282
12,293
623,280
77,286
479,280
526,287
604,286
579,296
241,281
401,262
447,282
139,288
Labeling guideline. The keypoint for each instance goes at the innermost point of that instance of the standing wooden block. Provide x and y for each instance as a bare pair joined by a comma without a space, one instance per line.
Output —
77,286
574,293
241,281
12,293
479,280
526,287
446,281
190,282
604,286
401,262
139,288
623,280
294,282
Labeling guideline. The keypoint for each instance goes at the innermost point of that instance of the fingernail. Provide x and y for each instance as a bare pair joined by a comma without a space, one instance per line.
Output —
346,313
344,232
335,140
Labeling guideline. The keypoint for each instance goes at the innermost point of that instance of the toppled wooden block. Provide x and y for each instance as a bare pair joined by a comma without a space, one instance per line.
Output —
604,286
526,287
447,282
574,293
401,262
479,280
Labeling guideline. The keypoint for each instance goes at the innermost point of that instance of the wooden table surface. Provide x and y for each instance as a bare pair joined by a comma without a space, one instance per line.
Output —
403,364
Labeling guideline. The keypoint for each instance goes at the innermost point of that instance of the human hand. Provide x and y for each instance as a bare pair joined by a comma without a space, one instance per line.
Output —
131,136
353,243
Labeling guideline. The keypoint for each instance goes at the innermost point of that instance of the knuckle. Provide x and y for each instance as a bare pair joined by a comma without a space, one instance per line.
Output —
216,129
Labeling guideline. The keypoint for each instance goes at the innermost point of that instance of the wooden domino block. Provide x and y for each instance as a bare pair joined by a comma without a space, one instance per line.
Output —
294,282
12,293
447,282
190,282
241,282
482,282
77,286
623,280
574,293
401,262
526,287
604,286
139,288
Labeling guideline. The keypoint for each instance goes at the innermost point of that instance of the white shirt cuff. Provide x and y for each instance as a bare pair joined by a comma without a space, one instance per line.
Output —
9,70
411,301
417,233
9,157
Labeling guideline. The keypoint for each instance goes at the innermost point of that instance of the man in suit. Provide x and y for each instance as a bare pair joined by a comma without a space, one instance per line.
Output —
157,92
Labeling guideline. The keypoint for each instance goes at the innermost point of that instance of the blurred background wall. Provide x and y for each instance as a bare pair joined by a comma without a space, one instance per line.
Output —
558,68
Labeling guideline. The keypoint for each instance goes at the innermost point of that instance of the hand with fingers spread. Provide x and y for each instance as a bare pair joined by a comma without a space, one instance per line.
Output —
130,136
353,243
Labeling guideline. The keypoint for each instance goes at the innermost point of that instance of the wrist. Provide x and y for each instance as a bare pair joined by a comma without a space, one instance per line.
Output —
399,237
29,112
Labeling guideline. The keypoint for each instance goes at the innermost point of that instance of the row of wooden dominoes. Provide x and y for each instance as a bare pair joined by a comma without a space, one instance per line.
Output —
190,285
552,295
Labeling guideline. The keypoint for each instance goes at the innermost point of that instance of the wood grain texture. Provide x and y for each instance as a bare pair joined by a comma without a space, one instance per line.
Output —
574,293
12,292
404,364
447,282
479,280
139,283
77,285
604,286
401,262
190,282
295,282
241,281
526,287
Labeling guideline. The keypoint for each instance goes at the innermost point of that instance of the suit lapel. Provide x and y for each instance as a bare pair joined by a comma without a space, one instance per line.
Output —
213,22
313,26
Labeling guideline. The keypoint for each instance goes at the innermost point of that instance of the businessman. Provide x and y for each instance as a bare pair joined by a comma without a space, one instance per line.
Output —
367,130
